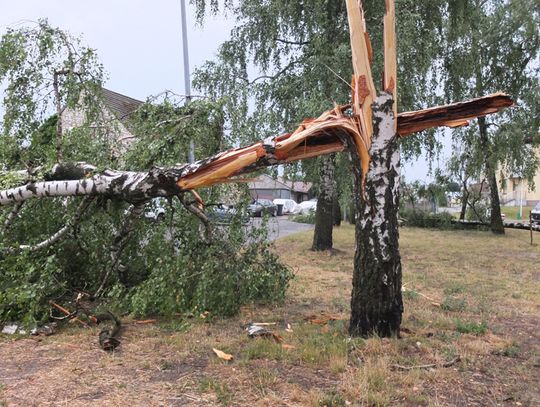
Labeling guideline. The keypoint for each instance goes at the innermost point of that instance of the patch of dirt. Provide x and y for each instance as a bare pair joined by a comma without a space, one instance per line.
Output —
172,372
302,376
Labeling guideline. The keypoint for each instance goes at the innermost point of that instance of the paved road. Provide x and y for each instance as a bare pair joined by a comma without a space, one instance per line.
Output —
280,227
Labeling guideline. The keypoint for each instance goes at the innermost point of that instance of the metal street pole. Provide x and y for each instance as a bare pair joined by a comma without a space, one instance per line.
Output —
187,80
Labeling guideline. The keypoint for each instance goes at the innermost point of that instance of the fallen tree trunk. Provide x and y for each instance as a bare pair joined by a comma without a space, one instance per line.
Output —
334,131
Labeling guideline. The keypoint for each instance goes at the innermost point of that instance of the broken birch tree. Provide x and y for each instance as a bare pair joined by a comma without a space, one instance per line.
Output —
368,128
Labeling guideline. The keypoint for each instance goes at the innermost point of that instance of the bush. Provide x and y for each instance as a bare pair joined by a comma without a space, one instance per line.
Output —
454,304
473,328
424,219
479,214
304,218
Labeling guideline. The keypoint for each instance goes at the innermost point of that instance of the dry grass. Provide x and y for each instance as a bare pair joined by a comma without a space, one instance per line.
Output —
488,287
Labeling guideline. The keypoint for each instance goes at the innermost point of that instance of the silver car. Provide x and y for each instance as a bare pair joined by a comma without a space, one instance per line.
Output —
535,214
261,206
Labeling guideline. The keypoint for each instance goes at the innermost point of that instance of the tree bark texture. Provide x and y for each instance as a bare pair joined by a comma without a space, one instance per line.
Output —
324,219
496,222
336,209
376,303
464,199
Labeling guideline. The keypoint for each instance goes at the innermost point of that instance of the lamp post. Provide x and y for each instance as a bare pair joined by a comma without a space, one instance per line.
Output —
187,80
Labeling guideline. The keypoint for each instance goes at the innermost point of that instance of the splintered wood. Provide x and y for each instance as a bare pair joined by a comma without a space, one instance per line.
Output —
454,115
344,127
363,88
390,55
334,131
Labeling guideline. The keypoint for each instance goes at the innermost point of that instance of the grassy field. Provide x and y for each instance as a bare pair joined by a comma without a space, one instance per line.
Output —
468,294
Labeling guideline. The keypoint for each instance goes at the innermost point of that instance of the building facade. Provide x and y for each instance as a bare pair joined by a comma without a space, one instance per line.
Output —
266,187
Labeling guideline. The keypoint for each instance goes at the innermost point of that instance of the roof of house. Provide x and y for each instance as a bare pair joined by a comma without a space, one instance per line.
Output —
297,186
265,181
121,105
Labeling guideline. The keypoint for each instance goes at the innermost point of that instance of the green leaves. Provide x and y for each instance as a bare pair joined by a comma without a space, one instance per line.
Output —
30,59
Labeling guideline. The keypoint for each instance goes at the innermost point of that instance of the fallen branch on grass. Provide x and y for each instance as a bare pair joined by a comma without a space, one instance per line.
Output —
433,302
429,366
72,316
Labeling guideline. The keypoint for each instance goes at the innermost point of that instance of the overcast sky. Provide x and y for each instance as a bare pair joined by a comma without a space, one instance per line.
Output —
138,41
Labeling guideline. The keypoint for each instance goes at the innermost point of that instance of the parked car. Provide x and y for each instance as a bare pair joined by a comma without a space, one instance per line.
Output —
224,214
307,206
261,206
155,210
535,214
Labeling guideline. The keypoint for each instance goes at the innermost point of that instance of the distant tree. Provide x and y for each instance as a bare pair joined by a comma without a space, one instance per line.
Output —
46,71
494,46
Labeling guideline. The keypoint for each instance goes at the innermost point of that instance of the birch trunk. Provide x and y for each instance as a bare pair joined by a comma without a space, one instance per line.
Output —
376,303
324,218
131,186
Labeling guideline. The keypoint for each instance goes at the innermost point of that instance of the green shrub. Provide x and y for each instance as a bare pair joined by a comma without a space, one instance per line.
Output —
473,328
424,219
511,351
167,270
304,218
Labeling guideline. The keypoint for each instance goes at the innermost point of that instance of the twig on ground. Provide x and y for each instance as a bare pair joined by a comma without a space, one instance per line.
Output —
68,313
429,366
433,301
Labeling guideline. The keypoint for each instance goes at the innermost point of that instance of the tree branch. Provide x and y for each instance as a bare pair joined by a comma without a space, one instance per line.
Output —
333,131
119,242
280,73
12,215
199,213
288,42
83,206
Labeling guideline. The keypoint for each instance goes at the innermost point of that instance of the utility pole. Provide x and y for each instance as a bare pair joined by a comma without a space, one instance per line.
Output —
187,80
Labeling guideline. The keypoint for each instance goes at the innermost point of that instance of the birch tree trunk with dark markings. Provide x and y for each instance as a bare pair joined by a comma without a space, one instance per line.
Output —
376,303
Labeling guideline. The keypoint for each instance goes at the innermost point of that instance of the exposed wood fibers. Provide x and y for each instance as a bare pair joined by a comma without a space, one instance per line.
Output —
324,135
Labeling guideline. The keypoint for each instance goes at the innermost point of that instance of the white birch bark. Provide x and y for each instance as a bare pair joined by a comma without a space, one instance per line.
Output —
376,303
129,185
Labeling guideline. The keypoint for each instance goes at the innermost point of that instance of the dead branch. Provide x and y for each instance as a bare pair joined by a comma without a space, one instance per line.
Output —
332,131
108,337
68,315
430,366
453,115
